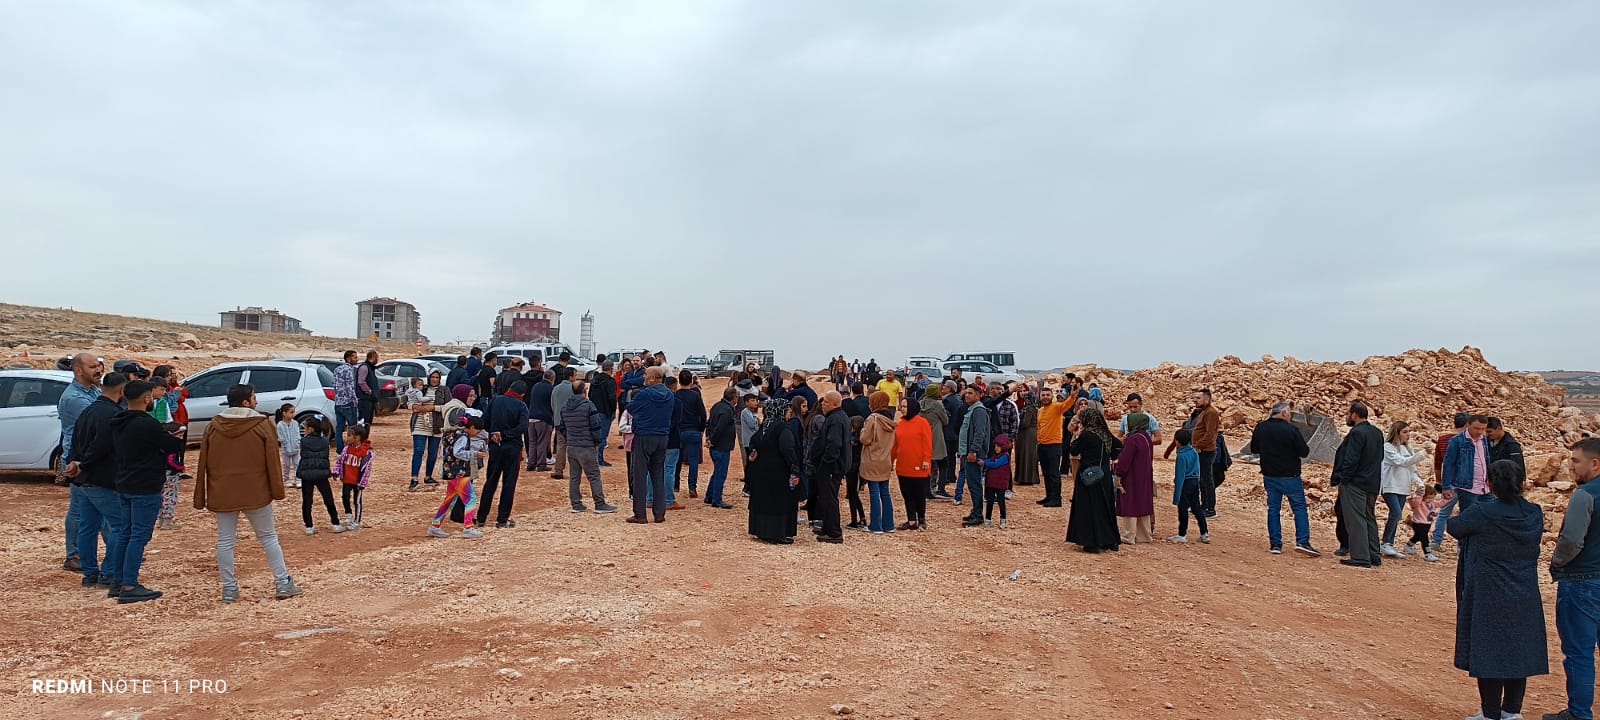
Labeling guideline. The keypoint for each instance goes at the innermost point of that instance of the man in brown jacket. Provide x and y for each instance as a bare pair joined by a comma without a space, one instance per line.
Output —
240,474
1206,428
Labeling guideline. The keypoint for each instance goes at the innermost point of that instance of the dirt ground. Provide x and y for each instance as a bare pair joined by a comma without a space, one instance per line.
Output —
585,616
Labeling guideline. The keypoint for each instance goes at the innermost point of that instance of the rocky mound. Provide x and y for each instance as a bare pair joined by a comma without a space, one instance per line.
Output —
1425,388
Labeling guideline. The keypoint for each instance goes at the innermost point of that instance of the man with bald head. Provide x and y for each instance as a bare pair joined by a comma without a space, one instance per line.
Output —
652,420
84,389
830,460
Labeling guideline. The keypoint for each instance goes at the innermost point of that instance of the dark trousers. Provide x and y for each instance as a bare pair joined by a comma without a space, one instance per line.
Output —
307,487
352,503
827,485
504,463
1188,503
538,443
1050,468
947,473
991,498
648,474
1501,697
1419,534
915,493
852,493
365,409
1358,511
1208,480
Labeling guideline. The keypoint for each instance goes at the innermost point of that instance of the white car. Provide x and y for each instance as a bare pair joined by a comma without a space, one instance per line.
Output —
700,365
30,428
400,373
971,369
307,386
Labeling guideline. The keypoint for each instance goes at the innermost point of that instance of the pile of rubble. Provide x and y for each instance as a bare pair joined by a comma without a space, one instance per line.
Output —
1424,388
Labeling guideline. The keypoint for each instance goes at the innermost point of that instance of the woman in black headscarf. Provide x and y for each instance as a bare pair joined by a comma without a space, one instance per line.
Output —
1092,524
774,476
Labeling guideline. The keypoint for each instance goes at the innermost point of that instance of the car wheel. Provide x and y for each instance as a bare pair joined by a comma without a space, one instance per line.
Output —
55,461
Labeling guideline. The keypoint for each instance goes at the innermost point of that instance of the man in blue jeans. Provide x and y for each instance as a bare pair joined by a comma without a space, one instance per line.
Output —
93,470
142,446
1465,469
721,430
80,393
1575,566
1281,447
344,398
972,447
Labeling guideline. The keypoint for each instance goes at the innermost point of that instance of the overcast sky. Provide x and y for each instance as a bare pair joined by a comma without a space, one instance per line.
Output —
1121,183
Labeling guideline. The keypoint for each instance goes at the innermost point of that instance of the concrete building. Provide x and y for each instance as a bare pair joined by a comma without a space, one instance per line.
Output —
527,322
255,319
388,320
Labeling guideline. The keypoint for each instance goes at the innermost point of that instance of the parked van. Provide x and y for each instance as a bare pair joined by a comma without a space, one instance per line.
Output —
1006,360
616,356
729,361
547,352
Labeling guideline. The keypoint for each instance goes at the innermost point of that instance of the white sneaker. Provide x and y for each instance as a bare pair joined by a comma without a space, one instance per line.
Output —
338,529
354,526
1003,524
1010,494
1178,539
311,531
1205,538
1389,552
437,532
472,533
1411,549
1430,557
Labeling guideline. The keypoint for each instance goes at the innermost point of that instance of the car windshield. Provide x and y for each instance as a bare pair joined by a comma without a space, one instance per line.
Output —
696,360
727,357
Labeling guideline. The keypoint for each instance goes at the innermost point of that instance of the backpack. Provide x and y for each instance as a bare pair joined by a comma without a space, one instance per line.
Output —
455,467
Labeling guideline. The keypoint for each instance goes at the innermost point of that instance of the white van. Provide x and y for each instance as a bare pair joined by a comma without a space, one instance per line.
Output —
1006,360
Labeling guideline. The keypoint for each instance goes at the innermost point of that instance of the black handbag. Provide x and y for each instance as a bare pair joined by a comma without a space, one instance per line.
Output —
1094,475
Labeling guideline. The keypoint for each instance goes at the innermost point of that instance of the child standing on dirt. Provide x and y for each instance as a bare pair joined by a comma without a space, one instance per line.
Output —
355,472
468,452
996,480
1424,506
315,471
289,433
1186,488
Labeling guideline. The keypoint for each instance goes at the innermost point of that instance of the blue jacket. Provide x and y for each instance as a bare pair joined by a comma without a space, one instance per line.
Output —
1188,468
652,411
539,402
1459,457
509,417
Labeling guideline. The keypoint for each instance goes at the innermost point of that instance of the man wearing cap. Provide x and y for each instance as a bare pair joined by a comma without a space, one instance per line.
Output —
79,395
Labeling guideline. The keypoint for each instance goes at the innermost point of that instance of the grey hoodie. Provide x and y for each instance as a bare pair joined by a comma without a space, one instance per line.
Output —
558,400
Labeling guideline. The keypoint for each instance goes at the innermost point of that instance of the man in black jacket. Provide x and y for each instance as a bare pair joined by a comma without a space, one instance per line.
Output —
459,375
93,470
721,431
830,458
1358,473
485,380
142,447
506,422
541,420
1502,446
1281,446
369,388
603,393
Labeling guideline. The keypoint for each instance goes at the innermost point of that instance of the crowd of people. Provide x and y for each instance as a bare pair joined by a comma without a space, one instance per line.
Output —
124,433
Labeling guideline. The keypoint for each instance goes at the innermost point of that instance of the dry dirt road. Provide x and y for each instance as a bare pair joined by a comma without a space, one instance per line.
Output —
585,616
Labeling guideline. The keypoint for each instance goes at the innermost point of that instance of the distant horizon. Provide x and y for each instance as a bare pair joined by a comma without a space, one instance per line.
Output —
677,357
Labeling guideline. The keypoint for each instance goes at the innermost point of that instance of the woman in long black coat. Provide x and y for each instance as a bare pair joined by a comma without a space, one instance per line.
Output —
774,474
1092,522
1500,635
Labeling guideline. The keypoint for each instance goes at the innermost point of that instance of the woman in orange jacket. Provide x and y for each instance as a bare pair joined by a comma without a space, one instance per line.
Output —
913,463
